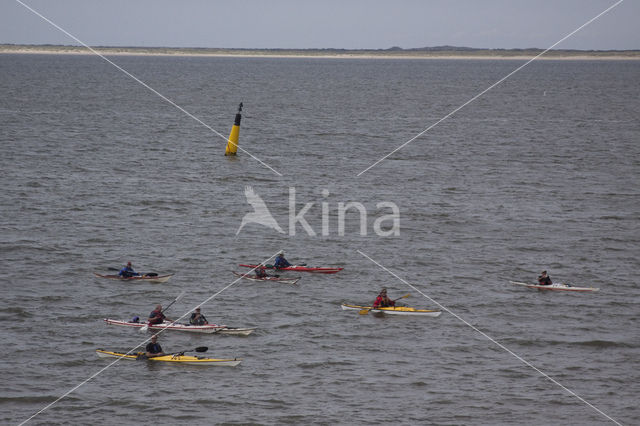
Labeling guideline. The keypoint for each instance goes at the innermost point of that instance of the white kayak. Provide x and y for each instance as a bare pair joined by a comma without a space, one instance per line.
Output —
393,310
174,358
556,287
252,277
237,331
207,328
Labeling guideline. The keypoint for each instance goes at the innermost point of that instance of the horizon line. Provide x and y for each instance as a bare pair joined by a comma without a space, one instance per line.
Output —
435,49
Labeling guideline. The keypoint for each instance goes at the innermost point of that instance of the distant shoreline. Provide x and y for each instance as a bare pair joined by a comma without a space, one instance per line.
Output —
426,53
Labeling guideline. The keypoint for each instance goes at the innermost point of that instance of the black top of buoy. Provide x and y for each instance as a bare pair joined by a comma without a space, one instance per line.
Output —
238,116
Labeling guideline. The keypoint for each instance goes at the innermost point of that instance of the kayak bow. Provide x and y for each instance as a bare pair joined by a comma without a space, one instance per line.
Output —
252,277
177,358
156,279
556,287
393,310
207,328
299,268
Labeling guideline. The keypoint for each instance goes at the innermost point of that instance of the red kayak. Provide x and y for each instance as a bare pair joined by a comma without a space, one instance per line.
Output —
297,268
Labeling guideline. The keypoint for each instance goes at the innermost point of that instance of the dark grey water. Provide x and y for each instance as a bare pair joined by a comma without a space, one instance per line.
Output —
540,173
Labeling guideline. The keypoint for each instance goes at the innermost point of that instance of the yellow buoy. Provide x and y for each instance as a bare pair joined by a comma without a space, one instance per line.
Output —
232,143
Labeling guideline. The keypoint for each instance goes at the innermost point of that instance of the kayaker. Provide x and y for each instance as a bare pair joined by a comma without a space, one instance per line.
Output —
153,348
280,261
197,318
128,272
261,271
157,316
544,279
383,301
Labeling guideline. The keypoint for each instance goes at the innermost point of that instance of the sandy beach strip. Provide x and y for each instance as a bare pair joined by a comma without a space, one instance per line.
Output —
321,54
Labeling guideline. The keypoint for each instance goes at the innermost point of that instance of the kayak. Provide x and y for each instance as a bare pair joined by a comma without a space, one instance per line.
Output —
252,277
177,358
207,328
556,287
236,331
300,268
393,310
156,279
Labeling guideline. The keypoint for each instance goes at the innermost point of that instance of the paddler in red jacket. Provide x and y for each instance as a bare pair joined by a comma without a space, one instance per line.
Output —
156,316
383,301
544,279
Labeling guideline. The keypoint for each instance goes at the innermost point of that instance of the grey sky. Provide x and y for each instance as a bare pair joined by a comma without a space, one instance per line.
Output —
351,24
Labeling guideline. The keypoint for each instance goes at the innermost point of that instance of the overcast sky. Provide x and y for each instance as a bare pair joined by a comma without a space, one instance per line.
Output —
350,24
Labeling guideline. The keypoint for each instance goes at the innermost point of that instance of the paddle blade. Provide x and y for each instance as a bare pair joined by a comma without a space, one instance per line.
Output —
363,311
144,328
403,297
201,349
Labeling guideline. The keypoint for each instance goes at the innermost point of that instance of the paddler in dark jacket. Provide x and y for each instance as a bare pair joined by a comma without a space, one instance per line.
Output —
280,261
261,271
544,279
153,348
128,272
197,318
383,301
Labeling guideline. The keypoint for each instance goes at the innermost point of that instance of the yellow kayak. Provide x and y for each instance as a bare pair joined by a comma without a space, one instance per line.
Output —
177,358
393,310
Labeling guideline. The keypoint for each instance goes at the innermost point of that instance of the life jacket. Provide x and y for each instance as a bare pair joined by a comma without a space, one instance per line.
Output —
156,317
544,281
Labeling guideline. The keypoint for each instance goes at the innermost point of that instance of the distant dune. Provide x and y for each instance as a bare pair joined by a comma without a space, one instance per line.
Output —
438,52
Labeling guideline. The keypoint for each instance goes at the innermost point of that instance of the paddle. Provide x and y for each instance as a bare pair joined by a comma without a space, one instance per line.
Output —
255,276
198,349
146,326
365,311
273,267
116,269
